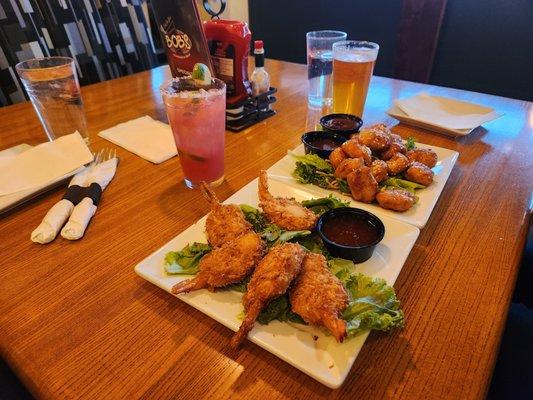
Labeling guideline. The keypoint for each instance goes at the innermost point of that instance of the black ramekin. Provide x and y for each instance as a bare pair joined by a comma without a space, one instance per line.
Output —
343,132
357,254
307,140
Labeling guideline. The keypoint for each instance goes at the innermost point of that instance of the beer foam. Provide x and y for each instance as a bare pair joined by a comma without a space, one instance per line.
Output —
357,56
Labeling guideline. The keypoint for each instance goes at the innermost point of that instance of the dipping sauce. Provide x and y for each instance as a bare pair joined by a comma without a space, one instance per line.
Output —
340,124
351,230
324,143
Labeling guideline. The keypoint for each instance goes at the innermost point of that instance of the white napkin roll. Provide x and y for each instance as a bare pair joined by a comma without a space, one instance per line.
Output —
79,219
52,222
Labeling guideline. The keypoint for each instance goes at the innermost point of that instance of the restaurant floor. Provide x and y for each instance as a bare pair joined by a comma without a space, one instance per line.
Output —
514,367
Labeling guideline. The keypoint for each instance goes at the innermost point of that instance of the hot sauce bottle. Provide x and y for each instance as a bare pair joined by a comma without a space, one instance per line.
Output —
229,45
260,78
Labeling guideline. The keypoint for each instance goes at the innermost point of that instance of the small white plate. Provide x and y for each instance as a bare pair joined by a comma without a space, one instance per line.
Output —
418,215
323,359
395,112
10,201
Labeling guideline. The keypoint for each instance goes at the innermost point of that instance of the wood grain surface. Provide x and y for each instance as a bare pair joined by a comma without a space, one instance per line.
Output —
76,322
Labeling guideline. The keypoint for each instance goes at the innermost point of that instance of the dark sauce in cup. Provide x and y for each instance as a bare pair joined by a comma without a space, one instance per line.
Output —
341,124
351,230
324,143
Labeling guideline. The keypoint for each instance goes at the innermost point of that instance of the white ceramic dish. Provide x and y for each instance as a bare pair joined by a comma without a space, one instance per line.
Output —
10,201
395,112
324,359
418,215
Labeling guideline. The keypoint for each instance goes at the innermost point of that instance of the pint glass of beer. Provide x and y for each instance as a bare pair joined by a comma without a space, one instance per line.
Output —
353,64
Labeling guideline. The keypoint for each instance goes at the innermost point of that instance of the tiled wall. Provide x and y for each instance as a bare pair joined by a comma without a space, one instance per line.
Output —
107,38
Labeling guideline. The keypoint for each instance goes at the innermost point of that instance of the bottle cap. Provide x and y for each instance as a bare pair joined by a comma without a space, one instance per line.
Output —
258,45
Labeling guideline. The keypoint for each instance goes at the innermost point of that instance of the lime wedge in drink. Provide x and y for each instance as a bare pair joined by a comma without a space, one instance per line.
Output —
201,74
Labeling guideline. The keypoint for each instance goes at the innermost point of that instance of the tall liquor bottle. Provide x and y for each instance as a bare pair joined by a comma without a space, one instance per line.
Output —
183,37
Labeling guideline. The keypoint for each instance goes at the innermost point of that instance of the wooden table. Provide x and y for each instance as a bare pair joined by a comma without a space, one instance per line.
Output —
76,322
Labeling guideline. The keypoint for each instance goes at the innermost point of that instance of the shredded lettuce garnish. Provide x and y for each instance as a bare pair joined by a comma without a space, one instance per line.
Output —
315,161
185,262
397,183
320,206
410,143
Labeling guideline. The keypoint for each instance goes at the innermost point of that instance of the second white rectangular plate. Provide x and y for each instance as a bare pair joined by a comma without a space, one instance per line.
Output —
323,359
418,215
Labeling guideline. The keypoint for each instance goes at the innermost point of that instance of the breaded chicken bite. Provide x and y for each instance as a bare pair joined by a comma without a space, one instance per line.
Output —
362,185
397,163
392,150
425,156
419,173
379,170
396,199
376,137
347,166
337,156
354,149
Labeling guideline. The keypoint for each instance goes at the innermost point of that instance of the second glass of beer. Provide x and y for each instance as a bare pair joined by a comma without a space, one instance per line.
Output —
353,64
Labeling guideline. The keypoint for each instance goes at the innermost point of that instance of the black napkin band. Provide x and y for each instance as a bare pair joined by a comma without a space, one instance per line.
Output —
76,194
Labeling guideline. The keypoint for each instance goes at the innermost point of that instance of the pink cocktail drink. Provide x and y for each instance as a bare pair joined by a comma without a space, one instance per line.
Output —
197,116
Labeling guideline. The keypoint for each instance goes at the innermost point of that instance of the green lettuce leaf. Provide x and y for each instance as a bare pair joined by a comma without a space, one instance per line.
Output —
410,143
373,305
239,286
185,262
271,233
323,204
343,186
305,173
396,182
314,244
341,267
315,161
279,309
254,217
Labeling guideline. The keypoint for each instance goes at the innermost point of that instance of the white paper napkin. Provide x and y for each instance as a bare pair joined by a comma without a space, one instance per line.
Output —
144,136
80,215
79,219
43,164
445,112
57,215
102,174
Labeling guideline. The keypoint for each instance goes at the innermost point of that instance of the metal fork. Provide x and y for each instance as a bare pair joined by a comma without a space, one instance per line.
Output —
103,155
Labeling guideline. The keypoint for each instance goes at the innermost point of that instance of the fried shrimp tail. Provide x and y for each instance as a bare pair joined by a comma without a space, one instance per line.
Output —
319,297
225,222
188,285
284,212
230,263
209,195
247,324
271,278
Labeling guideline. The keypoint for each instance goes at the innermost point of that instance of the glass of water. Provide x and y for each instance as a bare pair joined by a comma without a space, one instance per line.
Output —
53,87
320,65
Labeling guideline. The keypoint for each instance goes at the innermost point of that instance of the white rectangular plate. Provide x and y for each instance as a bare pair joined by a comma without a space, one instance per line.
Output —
323,359
10,201
418,215
395,112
